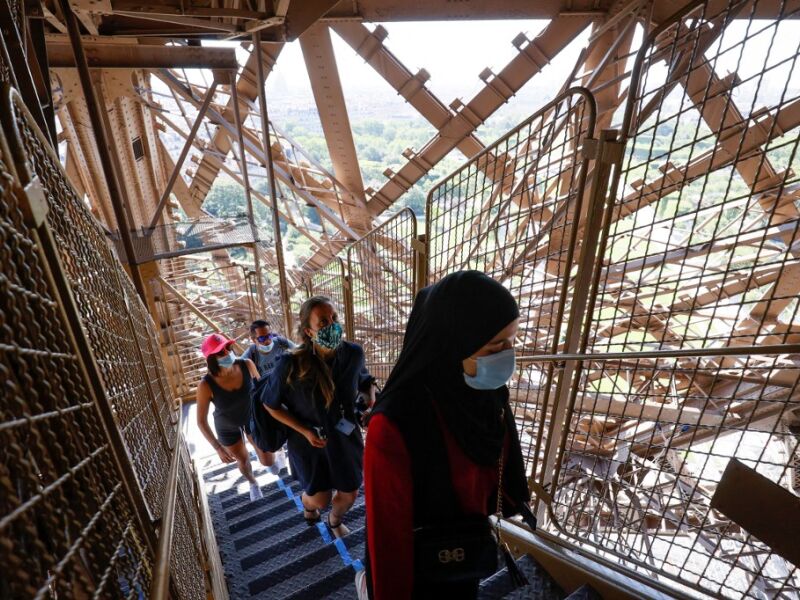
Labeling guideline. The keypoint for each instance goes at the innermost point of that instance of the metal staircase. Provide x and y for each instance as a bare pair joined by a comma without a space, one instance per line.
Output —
269,552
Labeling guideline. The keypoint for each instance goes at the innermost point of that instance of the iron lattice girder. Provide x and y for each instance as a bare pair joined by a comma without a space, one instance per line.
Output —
100,54
369,45
253,146
327,89
532,57
247,90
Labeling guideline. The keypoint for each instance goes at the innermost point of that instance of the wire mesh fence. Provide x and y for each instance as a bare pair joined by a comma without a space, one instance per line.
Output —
697,279
68,527
92,272
382,270
75,522
188,571
513,212
331,281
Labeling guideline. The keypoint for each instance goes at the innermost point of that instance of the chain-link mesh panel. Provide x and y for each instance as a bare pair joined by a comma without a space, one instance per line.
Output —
331,281
186,565
66,523
700,256
511,212
92,272
382,268
6,71
221,294
144,330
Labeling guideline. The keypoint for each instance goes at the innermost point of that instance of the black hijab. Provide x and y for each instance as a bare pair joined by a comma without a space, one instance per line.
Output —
449,322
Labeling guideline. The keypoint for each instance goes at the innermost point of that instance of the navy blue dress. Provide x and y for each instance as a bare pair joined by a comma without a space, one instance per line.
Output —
337,466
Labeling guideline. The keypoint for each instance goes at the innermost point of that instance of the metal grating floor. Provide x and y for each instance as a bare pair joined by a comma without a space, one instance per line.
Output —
268,550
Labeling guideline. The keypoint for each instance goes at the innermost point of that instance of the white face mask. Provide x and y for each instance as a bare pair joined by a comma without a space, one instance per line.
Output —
493,371
265,349
226,361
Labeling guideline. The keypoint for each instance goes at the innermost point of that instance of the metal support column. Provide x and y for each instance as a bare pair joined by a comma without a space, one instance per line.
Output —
608,155
420,246
273,188
237,115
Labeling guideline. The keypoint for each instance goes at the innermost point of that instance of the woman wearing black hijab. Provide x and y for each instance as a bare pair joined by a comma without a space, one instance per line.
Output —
437,434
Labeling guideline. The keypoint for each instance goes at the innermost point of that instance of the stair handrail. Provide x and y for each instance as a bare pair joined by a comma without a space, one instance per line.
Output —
159,588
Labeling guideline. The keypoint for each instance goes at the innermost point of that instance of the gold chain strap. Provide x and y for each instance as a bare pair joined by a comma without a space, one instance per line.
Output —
500,468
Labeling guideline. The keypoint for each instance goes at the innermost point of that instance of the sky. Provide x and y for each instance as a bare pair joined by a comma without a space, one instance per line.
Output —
453,52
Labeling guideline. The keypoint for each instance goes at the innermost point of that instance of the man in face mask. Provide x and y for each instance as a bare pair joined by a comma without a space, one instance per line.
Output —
266,347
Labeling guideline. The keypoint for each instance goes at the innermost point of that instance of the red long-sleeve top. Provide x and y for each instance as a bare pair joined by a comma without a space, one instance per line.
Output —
389,498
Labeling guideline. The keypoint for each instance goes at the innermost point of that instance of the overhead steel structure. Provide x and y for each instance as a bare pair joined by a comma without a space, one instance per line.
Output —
646,219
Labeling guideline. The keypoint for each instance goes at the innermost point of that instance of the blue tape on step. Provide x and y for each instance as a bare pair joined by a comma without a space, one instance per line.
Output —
342,549
323,531
358,565
298,502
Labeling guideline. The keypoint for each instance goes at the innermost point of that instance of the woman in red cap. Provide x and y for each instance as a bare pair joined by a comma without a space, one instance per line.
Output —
227,384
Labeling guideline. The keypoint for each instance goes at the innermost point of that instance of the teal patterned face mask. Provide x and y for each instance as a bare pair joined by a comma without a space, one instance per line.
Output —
329,337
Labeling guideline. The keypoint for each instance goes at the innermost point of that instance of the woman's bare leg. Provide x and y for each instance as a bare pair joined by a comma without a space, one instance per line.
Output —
265,458
342,502
242,456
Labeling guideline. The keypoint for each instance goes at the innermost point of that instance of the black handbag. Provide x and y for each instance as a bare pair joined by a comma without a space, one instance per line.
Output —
460,551
267,432
466,549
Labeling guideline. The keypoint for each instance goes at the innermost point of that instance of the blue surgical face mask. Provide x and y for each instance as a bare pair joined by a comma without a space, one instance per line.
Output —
226,361
494,370
265,348
329,337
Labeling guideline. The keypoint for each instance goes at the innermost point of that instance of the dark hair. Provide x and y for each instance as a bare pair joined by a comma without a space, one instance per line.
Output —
213,365
306,363
258,324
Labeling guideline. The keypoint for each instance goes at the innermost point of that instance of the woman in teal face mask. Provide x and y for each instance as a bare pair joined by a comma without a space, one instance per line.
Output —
436,443
312,389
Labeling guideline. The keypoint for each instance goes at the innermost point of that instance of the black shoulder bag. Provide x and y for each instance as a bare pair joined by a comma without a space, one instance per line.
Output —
464,550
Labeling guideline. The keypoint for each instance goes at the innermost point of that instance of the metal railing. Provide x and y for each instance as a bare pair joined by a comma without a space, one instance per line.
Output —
692,309
514,212
665,345
382,269
180,546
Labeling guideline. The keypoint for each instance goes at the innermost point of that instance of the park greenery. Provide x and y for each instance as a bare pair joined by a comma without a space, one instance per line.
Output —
379,145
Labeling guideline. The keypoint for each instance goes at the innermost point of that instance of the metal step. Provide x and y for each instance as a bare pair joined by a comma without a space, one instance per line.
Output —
267,548
540,585
269,552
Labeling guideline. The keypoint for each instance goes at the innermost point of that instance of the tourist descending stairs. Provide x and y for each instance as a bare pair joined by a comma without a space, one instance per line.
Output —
269,551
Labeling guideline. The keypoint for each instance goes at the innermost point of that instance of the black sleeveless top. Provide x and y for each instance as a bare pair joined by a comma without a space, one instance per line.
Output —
231,407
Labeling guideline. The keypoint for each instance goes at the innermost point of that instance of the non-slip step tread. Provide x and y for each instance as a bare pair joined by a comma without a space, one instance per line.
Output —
270,552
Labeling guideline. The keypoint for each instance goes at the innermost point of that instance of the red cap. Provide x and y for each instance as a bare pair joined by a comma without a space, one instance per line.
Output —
215,343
